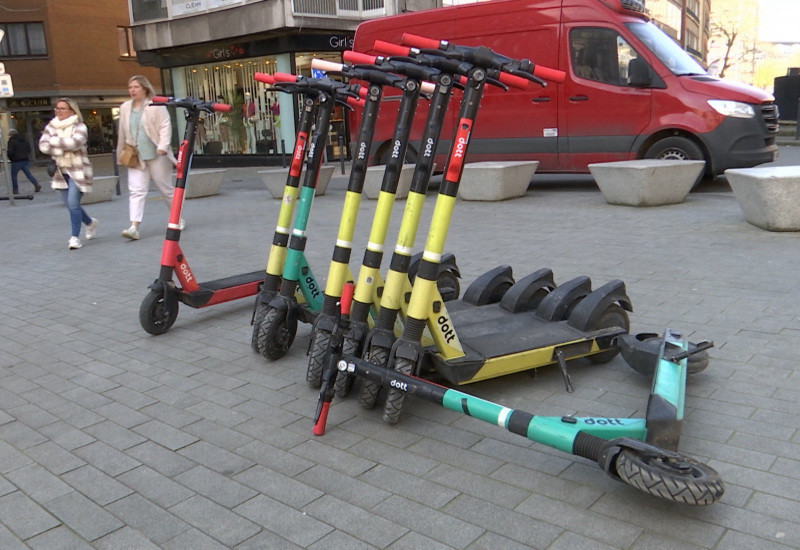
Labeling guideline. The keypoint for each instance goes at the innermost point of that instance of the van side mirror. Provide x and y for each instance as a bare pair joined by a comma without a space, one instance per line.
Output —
640,75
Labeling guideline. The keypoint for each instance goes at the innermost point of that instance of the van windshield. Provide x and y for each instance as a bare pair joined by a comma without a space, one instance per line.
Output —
666,49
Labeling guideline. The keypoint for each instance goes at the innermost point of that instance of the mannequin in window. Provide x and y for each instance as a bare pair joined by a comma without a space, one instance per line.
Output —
249,119
223,126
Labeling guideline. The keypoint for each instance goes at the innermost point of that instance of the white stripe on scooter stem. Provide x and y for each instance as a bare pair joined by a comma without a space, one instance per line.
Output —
431,257
344,244
284,230
503,416
404,250
298,233
375,247
173,226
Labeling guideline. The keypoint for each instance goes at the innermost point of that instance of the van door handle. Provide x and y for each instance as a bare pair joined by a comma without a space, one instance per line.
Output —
540,99
579,98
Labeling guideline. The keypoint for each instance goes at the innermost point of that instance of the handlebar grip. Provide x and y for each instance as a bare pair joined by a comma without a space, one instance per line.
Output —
421,42
347,298
363,92
357,58
427,87
513,81
553,75
264,77
284,77
327,66
222,107
389,48
159,99
355,103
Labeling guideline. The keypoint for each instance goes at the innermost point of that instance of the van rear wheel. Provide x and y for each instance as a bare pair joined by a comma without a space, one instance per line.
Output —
675,148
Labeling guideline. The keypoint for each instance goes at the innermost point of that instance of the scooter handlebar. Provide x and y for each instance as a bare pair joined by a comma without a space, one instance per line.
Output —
264,77
160,99
553,75
388,48
327,66
284,77
422,42
191,103
357,58
512,81
426,87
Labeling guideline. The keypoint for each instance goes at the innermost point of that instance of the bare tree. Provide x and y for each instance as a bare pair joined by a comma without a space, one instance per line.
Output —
734,53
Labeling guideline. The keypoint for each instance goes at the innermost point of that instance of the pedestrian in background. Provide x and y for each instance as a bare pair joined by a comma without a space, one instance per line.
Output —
64,138
149,130
19,153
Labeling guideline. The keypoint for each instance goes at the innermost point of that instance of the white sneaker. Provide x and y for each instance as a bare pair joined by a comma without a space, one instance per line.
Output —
131,233
91,229
182,225
74,243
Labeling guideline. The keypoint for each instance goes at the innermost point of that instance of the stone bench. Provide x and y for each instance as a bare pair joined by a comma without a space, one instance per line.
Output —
496,181
203,183
769,196
646,182
103,188
374,179
275,180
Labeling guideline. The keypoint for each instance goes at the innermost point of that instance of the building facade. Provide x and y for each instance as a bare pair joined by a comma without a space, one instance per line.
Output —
734,51
76,48
212,48
688,22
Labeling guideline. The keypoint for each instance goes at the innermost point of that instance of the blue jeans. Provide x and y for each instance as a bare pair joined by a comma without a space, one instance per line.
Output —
72,199
18,165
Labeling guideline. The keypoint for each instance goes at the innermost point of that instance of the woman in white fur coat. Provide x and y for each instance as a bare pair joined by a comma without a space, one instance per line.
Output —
149,129
64,138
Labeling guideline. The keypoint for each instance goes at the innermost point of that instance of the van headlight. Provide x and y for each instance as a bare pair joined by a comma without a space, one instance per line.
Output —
732,108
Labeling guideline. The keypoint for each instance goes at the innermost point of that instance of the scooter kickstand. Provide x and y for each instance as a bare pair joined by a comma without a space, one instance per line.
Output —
563,364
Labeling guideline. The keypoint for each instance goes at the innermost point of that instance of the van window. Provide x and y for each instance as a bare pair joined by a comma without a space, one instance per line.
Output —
604,56
666,49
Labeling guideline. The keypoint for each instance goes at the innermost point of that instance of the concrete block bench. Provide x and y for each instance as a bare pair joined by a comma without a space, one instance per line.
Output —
203,183
496,181
275,179
103,188
374,179
646,182
769,196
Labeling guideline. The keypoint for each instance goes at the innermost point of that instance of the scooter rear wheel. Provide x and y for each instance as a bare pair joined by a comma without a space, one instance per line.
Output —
395,397
692,483
154,316
376,355
316,359
613,316
448,285
276,334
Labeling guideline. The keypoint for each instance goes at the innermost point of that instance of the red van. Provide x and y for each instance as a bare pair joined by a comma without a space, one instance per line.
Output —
631,92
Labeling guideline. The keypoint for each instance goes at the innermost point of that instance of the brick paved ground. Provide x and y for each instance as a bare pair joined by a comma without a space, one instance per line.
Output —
112,438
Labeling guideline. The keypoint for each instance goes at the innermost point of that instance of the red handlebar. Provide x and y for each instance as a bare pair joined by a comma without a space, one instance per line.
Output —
388,48
513,81
420,42
264,77
553,75
284,77
222,107
355,103
356,58
159,99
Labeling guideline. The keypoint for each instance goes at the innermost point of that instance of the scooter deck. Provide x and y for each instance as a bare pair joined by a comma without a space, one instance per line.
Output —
223,290
497,342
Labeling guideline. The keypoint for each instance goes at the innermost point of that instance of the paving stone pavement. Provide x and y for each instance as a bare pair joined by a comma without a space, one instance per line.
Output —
114,439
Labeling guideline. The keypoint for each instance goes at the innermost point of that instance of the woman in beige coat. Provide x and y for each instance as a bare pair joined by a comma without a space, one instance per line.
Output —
149,129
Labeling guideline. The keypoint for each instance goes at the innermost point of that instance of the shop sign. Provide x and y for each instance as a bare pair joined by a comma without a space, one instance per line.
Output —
341,42
183,7
27,102
226,52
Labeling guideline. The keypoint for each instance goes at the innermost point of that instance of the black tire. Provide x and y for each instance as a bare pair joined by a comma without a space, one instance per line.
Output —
695,483
695,363
613,316
153,314
395,398
344,382
261,311
677,148
275,335
316,359
448,285
376,355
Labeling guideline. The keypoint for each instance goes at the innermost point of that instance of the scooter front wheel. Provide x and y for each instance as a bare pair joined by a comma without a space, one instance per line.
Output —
316,359
276,334
155,316
258,318
376,355
396,397
683,481
344,381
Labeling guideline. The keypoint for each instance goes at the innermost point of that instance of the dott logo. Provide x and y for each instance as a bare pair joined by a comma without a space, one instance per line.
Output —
312,287
402,386
428,148
461,145
396,149
362,150
186,273
444,327
603,421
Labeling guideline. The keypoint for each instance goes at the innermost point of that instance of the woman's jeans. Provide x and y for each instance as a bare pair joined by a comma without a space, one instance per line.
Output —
72,199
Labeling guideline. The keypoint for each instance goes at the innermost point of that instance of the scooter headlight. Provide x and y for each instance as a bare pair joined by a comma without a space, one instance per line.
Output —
732,108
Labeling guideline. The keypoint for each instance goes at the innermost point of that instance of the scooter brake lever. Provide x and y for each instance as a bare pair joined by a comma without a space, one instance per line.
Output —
700,346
